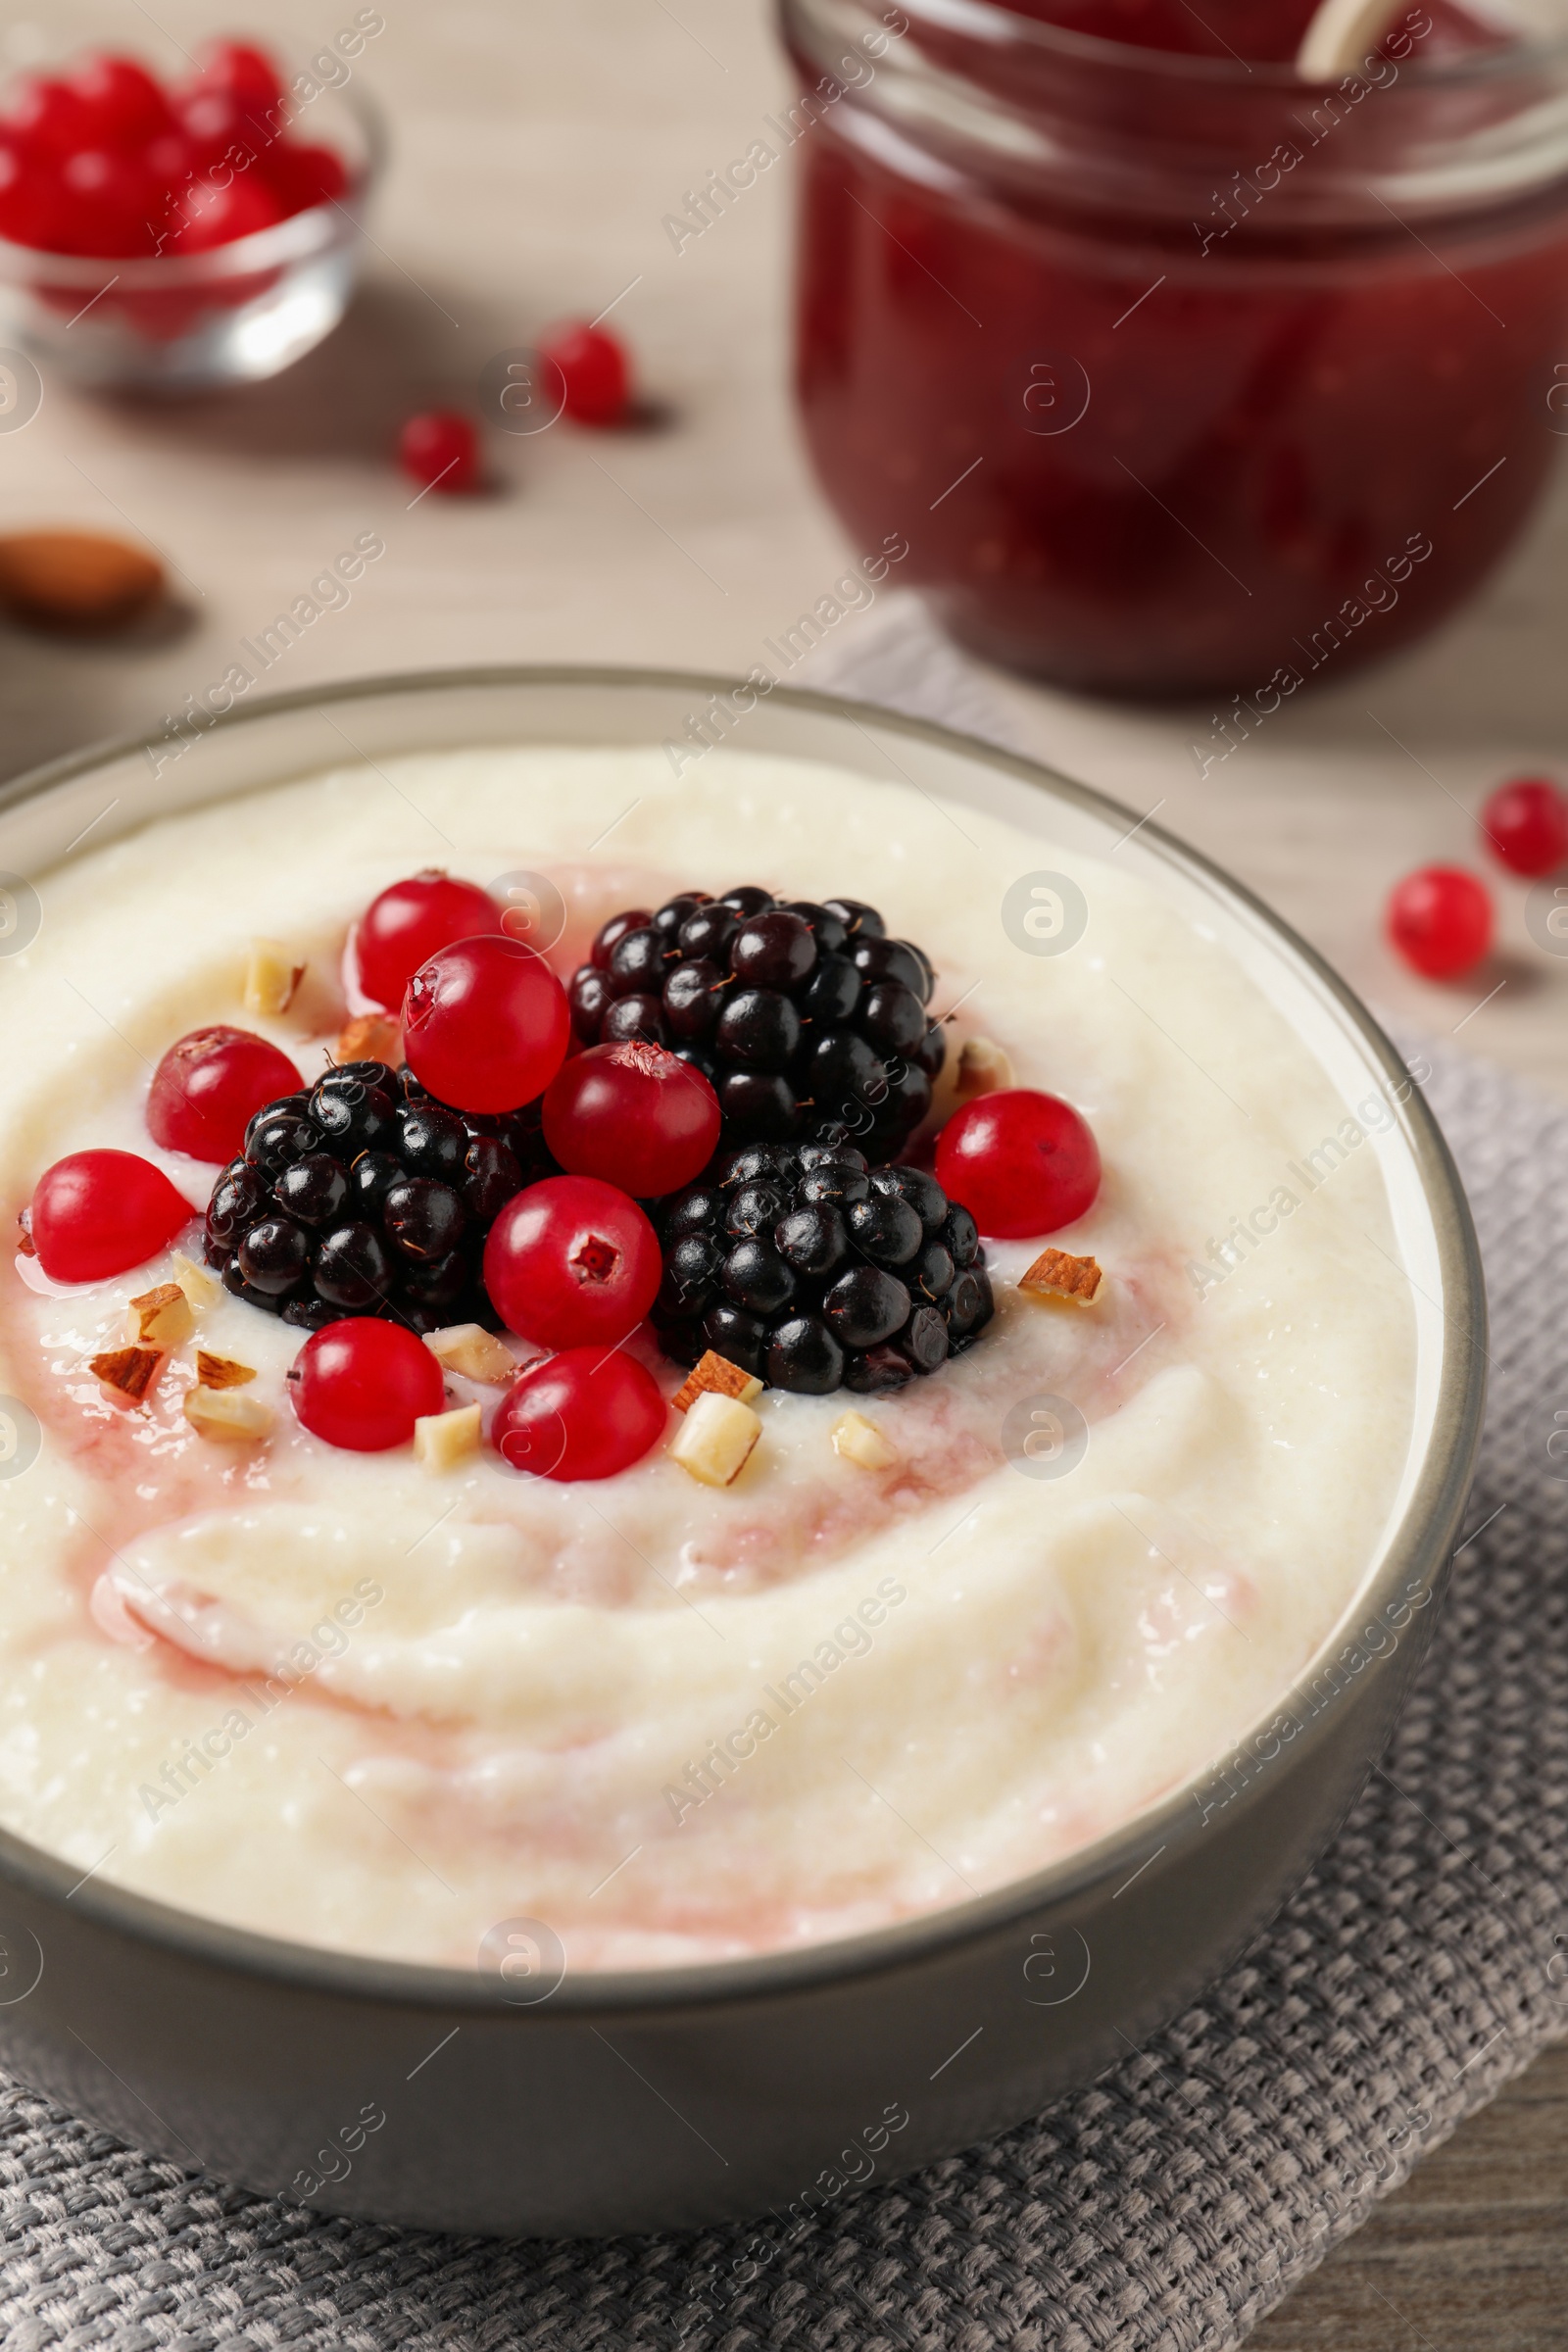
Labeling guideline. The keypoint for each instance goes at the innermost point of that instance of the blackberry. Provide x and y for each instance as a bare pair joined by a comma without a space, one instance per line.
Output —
366,1196
808,1020
815,1272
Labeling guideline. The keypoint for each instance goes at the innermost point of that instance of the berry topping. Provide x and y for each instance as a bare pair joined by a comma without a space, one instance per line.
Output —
632,1114
1526,826
439,449
363,1385
1020,1162
1440,920
803,1016
374,1203
572,1261
594,376
413,921
98,1214
485,1024
585,1413
806,1269
208,1086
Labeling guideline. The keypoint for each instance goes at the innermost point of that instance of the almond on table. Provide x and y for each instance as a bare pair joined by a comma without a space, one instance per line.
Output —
77,582
1055,1274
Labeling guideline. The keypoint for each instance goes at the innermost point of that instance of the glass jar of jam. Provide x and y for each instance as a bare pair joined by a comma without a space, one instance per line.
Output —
1176,371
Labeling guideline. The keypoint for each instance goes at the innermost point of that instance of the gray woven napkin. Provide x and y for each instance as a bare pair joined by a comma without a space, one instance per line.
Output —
1165,2208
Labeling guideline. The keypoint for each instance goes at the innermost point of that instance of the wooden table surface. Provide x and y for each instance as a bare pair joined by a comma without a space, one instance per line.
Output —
536,152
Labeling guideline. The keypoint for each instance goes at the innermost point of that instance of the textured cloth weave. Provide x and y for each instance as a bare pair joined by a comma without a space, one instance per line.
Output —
1166,2208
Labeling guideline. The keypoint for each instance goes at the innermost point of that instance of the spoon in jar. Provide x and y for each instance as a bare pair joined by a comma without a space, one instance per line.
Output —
1344,33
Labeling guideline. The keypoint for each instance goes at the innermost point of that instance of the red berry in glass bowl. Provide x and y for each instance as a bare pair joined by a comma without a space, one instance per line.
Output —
592,371
127,106
362,1385
439,449
585,1413
633,1115
301,177
48,116
1440,920
246,74
1526,826
485,1024
411,923
206,1088
211,215
1020,1162
572,1261
95,1214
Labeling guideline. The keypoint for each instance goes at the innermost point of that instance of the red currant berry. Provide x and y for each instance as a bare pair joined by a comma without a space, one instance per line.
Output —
1526,825
585,1413
634,1115
211,215
126,105
246,74
1440,920
99,1213
439,449
572,1261
49,116
206,1086
107,198
485,1024
362,1383
413,921
1020,1162
591,371
301,177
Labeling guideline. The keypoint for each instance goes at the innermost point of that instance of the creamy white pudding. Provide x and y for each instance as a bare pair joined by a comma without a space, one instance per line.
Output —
357,1702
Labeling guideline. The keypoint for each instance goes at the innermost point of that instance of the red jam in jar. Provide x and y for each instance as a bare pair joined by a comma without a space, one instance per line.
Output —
1177,371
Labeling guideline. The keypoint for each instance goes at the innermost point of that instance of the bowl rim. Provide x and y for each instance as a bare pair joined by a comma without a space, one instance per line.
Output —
298,238
1432,1512
991,25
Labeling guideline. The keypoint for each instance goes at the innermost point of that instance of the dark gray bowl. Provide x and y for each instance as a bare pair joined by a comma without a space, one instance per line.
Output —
481,2101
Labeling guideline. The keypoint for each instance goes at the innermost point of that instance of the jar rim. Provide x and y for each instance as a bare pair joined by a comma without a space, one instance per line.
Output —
995,26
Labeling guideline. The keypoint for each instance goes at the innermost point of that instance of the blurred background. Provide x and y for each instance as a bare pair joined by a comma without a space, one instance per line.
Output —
536,155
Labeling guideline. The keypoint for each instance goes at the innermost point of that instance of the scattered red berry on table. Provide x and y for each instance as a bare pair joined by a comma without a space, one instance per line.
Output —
362,1384
572,1261
1440,920
439,449
1526,825
1020,1162
592,371
634,1115
96,1215
206,1088
485,1024
585,1413
411,923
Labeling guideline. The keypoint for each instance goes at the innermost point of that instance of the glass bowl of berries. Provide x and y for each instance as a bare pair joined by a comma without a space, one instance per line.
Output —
184,234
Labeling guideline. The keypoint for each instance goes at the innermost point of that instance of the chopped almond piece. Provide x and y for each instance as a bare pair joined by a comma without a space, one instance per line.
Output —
442,1440
864,1443
200,1288
1057,1275
716,1439
983,1069
227,1415
468,1348
221,1371
715,1375
128,1375
371,1037
161,1318
271,977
